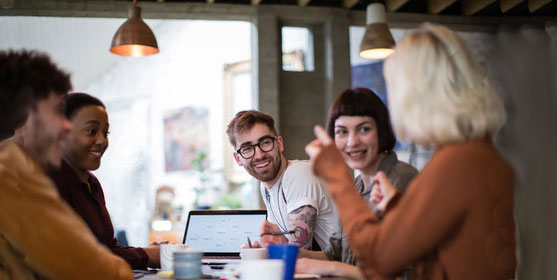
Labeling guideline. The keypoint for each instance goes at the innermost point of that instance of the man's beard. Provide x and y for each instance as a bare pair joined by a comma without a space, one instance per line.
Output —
270,174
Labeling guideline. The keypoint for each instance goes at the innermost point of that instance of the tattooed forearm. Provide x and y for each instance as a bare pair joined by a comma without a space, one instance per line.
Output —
302,220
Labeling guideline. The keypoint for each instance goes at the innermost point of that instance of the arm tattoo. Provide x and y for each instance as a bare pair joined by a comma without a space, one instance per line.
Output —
302,220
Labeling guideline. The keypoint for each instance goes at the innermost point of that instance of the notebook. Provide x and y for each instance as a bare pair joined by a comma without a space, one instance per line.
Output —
221,233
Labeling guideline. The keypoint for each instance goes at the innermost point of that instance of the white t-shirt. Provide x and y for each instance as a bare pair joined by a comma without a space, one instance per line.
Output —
298,187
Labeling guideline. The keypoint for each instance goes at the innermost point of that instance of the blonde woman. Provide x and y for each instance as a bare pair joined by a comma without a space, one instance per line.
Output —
455,221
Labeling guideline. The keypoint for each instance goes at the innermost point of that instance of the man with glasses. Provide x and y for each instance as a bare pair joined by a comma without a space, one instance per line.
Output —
296,201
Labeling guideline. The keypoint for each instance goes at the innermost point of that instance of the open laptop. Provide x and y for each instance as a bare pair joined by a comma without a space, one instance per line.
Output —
221,233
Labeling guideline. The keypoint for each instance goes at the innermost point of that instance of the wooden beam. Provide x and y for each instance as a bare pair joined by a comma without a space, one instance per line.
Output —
437,6
507,5
349,3
534,5
255,2
393,5
303,3
470,7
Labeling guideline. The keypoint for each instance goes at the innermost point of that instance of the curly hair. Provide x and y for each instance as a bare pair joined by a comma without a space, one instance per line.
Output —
26,77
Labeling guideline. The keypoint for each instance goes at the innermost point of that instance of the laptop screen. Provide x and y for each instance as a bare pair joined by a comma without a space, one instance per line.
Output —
222,232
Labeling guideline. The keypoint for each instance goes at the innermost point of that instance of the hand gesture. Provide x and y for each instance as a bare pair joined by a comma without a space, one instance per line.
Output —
383,191
269,227
326,160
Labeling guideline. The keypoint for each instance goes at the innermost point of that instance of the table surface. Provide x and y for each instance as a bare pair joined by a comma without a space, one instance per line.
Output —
153,276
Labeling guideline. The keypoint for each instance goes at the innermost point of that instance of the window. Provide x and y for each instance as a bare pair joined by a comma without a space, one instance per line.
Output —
297,49
166,111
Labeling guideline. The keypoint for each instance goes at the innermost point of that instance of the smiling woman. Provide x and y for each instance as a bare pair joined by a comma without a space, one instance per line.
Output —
83,150
88,138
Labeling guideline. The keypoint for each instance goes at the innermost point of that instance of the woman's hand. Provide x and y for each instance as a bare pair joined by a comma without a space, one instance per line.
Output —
153,252
334,268
383,191
326,160
304,265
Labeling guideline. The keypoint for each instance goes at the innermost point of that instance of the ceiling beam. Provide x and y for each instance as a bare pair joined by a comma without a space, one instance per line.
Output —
437,6
470,7
393,5
534,5
349,3
303,3
507,5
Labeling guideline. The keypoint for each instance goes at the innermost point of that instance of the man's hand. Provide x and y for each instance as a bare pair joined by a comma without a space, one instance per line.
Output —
268,227
254,244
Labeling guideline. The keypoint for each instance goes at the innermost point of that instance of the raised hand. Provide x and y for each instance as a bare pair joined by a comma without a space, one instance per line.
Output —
326,160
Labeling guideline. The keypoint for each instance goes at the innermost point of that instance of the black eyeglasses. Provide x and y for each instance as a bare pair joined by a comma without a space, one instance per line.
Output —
265,145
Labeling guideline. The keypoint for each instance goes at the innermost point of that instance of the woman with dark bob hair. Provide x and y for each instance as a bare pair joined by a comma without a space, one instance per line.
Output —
82,152
359,124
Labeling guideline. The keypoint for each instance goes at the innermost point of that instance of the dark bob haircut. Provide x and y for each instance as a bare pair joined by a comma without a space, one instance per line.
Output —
363,102
78,100
26,78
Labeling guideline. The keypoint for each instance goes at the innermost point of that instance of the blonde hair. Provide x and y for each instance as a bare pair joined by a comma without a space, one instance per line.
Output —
438,93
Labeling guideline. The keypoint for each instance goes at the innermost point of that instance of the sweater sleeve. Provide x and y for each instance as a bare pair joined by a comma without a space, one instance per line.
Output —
409,231
43,230
135,256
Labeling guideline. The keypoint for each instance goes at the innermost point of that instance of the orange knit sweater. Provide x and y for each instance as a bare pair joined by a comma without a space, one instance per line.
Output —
454,222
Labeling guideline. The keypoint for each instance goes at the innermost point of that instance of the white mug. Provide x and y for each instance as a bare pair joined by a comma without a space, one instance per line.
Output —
253,253
262,270
166,255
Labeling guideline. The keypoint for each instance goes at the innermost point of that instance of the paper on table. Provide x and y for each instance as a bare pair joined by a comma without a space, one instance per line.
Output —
306,276
166,274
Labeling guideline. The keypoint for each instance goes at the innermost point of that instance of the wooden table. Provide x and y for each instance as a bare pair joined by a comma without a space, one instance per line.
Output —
154,277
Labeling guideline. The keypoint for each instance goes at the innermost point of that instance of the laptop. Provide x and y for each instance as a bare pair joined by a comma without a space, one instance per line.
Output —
221,233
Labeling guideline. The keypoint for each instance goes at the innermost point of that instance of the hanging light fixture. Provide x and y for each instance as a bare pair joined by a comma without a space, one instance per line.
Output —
134,37
378,41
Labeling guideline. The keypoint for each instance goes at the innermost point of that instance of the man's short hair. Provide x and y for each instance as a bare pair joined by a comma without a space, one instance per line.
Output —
363,102
245,120
26,77
78,100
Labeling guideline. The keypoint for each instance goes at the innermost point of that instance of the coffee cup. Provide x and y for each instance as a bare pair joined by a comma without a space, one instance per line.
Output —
262,270
187,264
253,253
288,253
166,254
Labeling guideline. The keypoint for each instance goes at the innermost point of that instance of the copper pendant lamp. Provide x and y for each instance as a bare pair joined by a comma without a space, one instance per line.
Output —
378,42
134,37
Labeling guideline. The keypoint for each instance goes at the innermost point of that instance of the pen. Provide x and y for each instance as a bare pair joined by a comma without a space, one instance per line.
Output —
249,242
279,233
